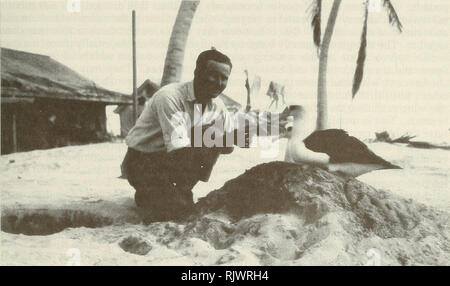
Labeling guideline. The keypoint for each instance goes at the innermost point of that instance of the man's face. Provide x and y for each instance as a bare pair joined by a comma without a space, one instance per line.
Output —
213,79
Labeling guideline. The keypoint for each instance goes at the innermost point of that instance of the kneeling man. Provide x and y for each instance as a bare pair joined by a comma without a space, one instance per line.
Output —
163,163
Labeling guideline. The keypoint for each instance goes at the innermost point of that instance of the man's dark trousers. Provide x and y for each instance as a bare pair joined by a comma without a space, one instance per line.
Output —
163,180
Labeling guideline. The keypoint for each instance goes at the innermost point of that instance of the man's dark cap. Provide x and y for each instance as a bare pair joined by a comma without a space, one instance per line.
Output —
296,108
212,54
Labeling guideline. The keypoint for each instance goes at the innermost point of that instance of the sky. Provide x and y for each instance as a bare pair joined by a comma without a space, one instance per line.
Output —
405,85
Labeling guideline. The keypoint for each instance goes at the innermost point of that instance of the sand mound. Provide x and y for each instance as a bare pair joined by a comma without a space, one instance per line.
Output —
274,214
311,193
297,213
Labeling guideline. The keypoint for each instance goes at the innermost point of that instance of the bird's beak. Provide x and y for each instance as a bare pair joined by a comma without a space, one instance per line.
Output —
289,124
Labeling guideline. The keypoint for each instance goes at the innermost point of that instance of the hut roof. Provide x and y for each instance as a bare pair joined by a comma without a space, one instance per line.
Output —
25,74
148,86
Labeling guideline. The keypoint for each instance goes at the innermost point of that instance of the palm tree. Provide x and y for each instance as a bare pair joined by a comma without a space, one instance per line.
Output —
173,65
322,51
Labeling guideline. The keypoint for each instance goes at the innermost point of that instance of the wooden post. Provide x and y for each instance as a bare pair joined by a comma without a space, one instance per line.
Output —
134,68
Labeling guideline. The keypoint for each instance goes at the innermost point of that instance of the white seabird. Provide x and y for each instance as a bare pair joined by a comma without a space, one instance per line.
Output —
333,149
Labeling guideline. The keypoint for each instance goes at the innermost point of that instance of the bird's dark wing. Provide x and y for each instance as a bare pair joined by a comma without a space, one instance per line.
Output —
358,152
328,141
342,147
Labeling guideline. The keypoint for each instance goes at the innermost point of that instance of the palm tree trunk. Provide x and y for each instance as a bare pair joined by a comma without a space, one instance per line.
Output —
173,65
322,108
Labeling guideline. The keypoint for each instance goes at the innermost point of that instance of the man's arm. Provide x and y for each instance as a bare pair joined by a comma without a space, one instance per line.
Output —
247,125
197,161
176,125
173,121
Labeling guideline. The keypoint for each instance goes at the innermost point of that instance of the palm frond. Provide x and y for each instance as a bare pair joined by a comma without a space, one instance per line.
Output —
392,15
359,72
316,11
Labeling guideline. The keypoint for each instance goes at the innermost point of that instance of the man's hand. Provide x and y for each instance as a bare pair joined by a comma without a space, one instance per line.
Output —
263,127
204,128
216,132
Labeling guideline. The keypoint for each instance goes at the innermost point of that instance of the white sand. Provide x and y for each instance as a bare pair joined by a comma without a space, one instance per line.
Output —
85,177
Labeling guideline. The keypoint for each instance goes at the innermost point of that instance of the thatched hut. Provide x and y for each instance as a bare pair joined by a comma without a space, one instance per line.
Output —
45,104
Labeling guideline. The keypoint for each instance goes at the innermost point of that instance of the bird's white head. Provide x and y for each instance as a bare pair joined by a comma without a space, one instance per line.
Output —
296,126
297,111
